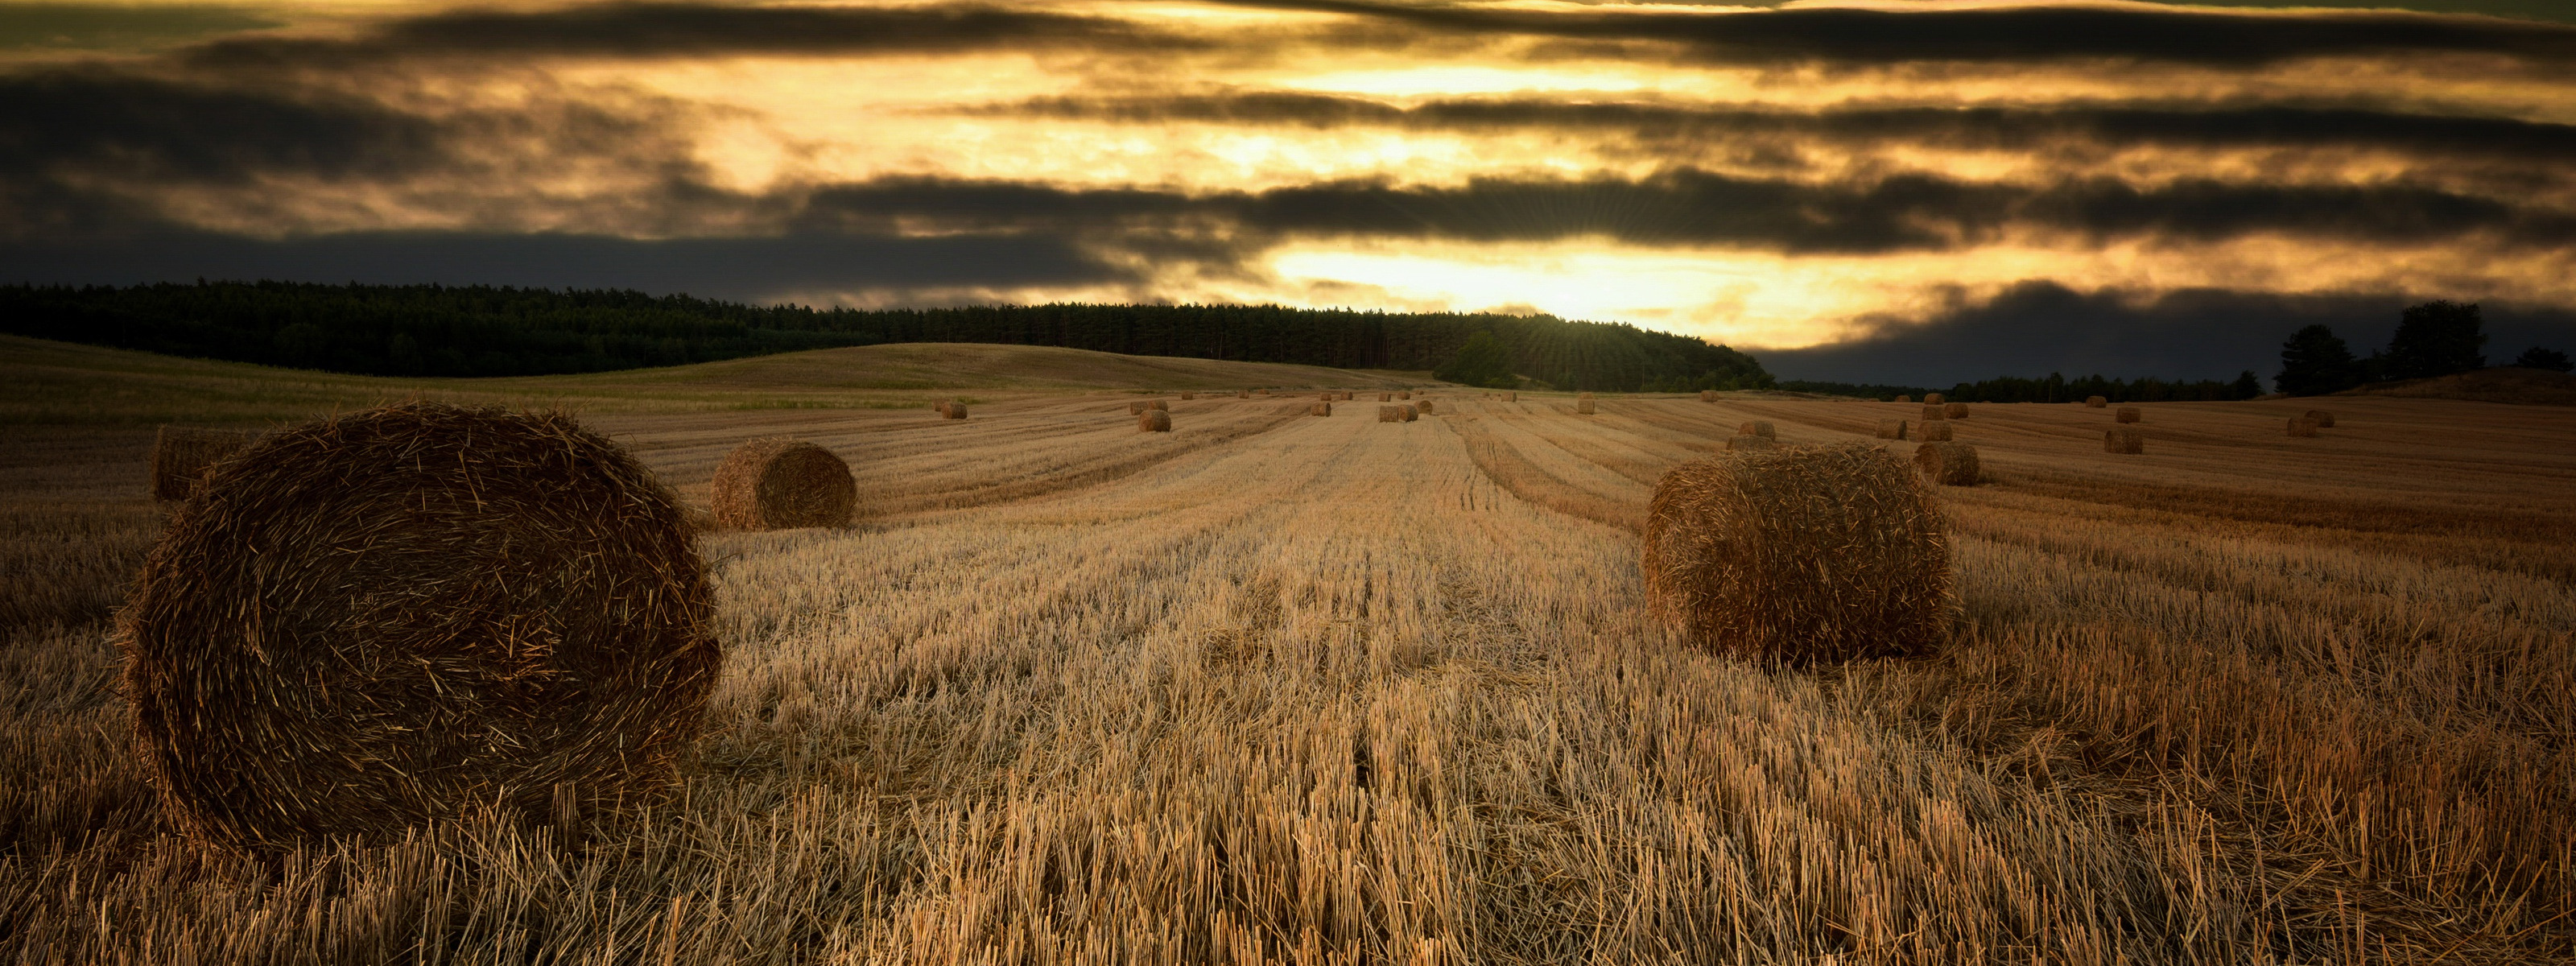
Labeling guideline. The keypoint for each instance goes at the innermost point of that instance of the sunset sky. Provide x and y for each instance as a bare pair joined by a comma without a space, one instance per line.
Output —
1921,191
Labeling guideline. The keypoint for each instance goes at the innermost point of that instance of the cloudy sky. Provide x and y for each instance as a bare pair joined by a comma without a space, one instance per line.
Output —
1902,190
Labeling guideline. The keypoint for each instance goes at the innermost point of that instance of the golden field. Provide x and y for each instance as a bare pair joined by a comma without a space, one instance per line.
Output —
1274,687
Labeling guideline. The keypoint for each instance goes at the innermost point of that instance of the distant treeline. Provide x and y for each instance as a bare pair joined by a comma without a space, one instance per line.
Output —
433,330
2054,389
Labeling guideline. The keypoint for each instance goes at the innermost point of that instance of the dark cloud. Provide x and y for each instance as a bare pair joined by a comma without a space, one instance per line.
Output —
2060,127
2040,327
103,122
753,269
1998,35
75,26
653,30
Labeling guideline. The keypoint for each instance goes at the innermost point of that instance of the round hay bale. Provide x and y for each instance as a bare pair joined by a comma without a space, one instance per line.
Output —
412,613
2124,439
1936,432
1243,394
1584,405
1947,463
1390,414
778,483
181,456
1163,405
1932,399
1756,427
953,409
1404,395
1905,399
1932,412
1800,553
1708,395
2126,414
2302,426
1137,407
1188,396
1511,397
1386,397
1320,409
1154,421
2096,402
1411,414
1423,404
1954,410
2323,419
1750,441
1891,429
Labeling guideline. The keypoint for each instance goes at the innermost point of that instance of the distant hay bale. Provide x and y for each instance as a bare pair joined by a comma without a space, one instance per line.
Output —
2124,439
1932,399
1708,395
2096,402
1265,392
1136,407
1749,441
1584,405
1891,429
1936,432
1799,553
1947,463
1154,421
2303,426
180,456
952,409
1511,397
1320,409
1158,404
412,613
1386,397
1411,414
778,483
1404,395
1243,394
1932,412
1757,427
2126,414
1954,410
1905,399
1423,404
1188,396
2323,419
1582,395
1346,397
1390,414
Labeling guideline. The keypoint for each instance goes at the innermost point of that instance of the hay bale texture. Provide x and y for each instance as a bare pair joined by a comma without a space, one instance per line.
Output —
1411,414
2302,426
1891,429
1390,414
2323,419
2126,414
1189,396
1757,427
1423,404
2096,402
1749,441
1939,432
1947,463
1931,412
2124,439
1386,397
1243,394
1136,407
1801,553
952,409
1320,409
1154,421
1511,397
1162,404
1905,399
777,483
1404,395
410,613
181,456
1954,410
1932,399
1708,395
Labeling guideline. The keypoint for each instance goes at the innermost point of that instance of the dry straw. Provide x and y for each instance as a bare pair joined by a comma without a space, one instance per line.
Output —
1411,414
1932,399
1954,410
1905,399
1936,432
1158,404
1386,397
1423,404
1891,429
1154,421
2124,439
1404,395
1189,396
1243,394
1511,397
1708,395
2323,419
1947,463
2126,414
1584,405
1320,409
1390,414
1932,412
952,409
1750,442
2303,426
413,613
1801,553
778,483
2096,402
181,456
1757,427
1136,407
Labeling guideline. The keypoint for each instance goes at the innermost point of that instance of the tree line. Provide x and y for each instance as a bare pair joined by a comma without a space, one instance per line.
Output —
436,330
2055,388
2436,338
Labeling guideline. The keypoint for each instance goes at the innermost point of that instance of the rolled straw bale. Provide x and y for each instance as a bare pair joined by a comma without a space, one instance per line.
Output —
2096,402
1161,404
1265,392
1404,395
1386,397
1320,409
1346,397
1411,414
413,613
1154,421
1954,410
2124,439
953,410
1905,399
1243,394
2126,414
1891,429
1750,441
1932,399
1932,412
1757,427
1584,405
1188,396
2323,419
1802,553
1708,395
1422,404
778,483
1946,463
1136,407
1390,414
180,456
1935,432
1511,397
2302,426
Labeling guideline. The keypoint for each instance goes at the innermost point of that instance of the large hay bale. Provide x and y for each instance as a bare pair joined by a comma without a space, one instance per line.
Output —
1756,427
1891,429
2302,426
2096,402
414,613
1801,553
2126,414
1390,414
1708,395
778,483
1935,432
1320,409
1749,441
1422,404
1905,399
952,409
1136,407
1584,405
1411,414
1947,463
1154,421
1932,412
1932,399
1954,410
181,456
1163,405
2323,419
2124,439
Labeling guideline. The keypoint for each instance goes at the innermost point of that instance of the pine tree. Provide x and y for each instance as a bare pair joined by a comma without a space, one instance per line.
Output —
2539,358
2435,339
1481,362
2315,362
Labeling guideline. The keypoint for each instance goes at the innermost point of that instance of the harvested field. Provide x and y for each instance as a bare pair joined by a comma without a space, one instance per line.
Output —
1276,687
